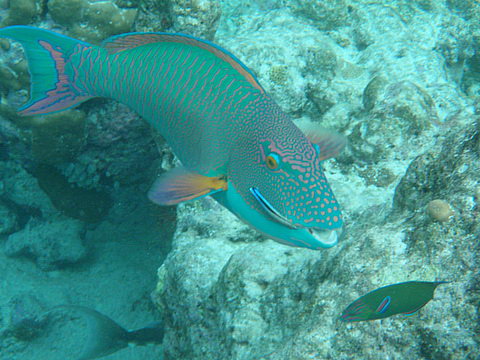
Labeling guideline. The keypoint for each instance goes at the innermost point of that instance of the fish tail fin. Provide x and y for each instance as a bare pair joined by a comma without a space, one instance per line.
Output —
53,63
151,334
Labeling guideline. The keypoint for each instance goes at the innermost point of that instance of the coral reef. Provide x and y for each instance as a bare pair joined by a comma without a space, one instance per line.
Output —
22,12
153,15
19,187
91,21
288,306
119,149
89,205
388,75
194,17
413,137
326,15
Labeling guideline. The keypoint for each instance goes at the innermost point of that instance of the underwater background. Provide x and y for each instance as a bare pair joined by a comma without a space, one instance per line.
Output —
400,79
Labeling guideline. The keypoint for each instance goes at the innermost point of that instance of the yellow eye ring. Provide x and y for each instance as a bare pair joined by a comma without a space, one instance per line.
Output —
272,161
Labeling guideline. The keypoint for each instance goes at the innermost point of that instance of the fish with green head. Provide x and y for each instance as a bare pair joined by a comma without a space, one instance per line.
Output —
233,140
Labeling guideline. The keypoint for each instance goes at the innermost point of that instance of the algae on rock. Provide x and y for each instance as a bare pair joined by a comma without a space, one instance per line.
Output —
23,12
92,21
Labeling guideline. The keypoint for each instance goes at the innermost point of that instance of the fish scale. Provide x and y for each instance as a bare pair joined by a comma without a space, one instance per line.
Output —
172,115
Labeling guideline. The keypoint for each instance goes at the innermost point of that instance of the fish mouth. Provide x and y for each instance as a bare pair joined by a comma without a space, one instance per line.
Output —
274,213
328,238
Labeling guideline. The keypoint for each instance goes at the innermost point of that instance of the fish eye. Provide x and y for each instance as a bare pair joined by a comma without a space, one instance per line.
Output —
272,161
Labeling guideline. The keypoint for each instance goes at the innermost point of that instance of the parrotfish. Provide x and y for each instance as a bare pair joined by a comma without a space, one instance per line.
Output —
107,337
233,140
402,298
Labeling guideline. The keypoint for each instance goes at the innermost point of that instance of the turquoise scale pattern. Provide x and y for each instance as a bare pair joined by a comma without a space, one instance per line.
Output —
218,123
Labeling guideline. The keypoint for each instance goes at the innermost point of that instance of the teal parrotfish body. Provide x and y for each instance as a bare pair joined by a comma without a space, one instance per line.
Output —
233,140
402,298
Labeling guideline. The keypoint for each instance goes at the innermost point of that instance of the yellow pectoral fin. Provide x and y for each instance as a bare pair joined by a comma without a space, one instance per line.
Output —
180,185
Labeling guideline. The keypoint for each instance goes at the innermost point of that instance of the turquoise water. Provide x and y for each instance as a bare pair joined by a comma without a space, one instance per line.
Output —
399,79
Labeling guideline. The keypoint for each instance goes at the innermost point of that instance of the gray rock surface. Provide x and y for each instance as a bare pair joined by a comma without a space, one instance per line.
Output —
52,244
21,188
244,300
194,17
388,79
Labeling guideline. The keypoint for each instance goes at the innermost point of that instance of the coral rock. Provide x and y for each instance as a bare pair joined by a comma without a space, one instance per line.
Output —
53,244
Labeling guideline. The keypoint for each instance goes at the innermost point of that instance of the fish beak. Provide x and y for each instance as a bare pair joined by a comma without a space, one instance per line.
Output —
328,238
274,213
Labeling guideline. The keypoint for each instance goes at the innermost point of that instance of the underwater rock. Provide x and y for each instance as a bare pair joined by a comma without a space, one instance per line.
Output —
254,300
153,15
8,220
250,299
22,12
467,8
476,196
88,205
14,76
195,17
91,21
59,137
456,44
119,149
449,170
291,67
22,189
327,15
53,243
398,111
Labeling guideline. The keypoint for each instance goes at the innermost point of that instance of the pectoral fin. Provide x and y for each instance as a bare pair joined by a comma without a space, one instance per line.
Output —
179,185
330,142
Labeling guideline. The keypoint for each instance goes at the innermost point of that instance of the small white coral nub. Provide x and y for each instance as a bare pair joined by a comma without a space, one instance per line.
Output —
439,210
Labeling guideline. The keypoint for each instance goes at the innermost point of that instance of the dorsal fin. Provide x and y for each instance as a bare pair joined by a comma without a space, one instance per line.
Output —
118,43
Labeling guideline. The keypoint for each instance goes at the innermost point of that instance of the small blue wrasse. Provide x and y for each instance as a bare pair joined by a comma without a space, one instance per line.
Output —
403,298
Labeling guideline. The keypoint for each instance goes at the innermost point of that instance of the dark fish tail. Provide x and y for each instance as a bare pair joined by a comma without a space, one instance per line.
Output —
106,336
